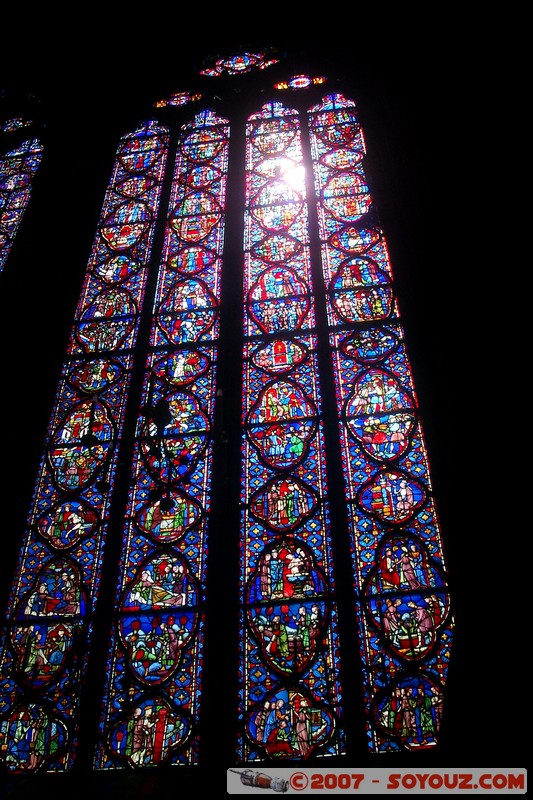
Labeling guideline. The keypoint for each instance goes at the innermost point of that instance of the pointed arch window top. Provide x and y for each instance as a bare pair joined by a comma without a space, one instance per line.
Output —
27,148
333,102
15,124
204,119
273,109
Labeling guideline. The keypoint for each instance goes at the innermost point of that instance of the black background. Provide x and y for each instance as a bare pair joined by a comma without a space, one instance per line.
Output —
423,91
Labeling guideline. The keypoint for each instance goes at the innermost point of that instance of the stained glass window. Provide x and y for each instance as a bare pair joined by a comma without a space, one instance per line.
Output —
403,603
15,124
248,239
290,696
155,663
56,589
239,64
17,170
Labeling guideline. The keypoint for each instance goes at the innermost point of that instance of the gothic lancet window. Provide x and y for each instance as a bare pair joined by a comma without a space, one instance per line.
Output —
289,611
18,166
235,454
403,603
56,588
155,665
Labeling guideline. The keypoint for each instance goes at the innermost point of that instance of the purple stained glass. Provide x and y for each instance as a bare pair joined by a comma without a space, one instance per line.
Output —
405,623
51,611
288,603
158,638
